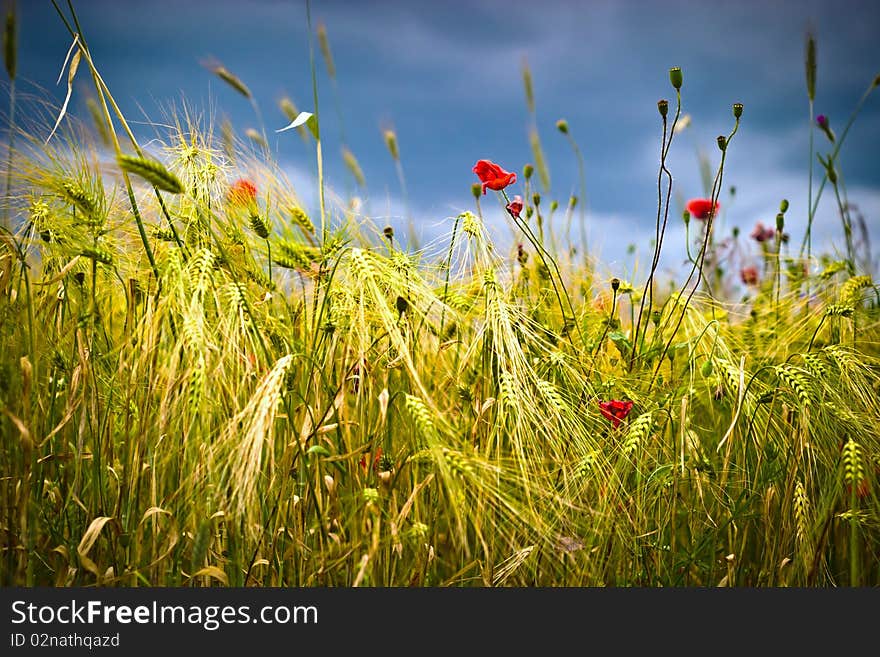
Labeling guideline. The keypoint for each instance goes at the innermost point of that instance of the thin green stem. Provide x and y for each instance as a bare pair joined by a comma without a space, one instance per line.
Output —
660,230
446,282
316,119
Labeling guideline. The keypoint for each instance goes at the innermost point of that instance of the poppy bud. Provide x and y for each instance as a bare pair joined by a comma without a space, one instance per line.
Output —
783,207
536,199
572,202
737,110
687,217
562,126
735,232
554,205
675,77
529,211
706,369
615,284
655,317
528,170
663,106
388,231
722,142
780,223
476,190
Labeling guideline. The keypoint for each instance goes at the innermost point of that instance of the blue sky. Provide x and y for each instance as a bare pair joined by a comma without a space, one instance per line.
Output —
447,77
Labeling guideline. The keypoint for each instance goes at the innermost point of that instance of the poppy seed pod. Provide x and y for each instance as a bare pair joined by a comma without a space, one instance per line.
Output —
388,231
528,170
722,142
735,232
737,110
476,190
675,77
536,199
663,106
562,126
615,284
687,217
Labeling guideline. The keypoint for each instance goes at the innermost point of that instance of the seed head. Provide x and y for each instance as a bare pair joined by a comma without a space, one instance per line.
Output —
675,77
811,65
528,170
391,143
663,107
737,110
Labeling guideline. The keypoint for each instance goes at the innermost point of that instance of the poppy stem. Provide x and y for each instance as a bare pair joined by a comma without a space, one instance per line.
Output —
608,321
541,254
662,207
701,256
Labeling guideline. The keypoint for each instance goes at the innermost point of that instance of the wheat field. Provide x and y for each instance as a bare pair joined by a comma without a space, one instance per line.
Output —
204,382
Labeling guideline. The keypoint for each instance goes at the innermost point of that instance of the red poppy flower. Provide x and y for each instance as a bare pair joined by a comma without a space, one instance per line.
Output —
493,176
762,234
242,192
515,206
615,410
701,208
363,461
749,275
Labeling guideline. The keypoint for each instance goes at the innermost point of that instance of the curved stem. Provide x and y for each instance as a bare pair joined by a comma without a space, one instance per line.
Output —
660,229
701,256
